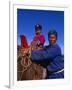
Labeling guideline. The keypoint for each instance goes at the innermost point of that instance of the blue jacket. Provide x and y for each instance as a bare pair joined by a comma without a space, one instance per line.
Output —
51,58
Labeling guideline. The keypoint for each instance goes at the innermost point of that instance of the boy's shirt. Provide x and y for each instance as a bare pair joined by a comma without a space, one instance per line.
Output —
39,40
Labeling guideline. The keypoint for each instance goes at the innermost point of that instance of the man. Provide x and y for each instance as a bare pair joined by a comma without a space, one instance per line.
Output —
51,57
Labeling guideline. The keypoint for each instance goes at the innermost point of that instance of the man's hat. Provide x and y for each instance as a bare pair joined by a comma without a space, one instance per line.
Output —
38,26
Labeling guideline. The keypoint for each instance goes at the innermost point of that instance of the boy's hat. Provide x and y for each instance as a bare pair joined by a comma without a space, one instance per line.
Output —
38,26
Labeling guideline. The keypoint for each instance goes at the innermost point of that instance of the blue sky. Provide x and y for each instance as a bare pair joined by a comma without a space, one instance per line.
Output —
26,20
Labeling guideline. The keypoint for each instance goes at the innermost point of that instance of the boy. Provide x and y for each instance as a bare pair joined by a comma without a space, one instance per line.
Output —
38,40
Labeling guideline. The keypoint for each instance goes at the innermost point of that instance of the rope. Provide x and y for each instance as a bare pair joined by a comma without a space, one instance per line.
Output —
23,61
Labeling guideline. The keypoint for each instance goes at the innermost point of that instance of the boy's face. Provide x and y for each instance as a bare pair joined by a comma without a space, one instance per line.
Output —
38,31
52,39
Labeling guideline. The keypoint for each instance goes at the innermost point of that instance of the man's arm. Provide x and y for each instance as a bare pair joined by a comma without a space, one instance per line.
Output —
45,55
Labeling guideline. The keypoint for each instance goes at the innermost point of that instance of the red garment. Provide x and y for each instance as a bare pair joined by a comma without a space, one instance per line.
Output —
24,42
41,38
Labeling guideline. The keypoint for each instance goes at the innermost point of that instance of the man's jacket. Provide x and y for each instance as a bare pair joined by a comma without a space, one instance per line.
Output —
51,58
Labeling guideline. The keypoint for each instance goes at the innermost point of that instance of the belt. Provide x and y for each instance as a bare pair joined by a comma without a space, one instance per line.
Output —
56,72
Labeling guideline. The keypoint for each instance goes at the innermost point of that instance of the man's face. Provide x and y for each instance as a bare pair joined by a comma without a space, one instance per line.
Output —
52,39
38,31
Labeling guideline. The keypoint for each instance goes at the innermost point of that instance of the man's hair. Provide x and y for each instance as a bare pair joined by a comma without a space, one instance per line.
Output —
53,32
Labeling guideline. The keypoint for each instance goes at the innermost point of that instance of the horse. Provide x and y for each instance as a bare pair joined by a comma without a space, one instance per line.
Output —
26,69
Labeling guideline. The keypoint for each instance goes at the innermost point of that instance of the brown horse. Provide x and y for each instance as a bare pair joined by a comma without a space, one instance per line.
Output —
26,69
